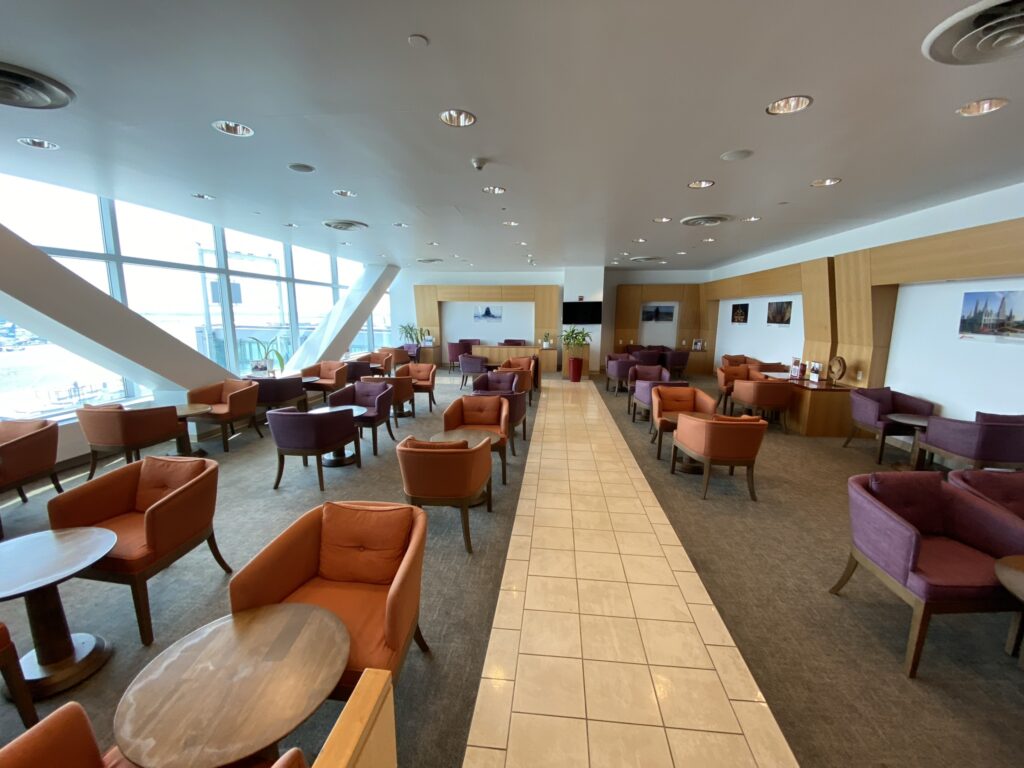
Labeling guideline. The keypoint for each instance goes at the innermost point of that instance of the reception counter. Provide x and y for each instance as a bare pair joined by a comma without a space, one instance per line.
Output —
499,354
820,409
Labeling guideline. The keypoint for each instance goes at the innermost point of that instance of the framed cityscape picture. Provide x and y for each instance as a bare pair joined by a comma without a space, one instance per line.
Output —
994,316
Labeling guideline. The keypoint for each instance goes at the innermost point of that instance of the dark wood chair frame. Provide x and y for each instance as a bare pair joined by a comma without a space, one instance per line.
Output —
131,452
319,454
708,463
925,609
463,503
431,400
137,581
19,486
300,402
17,688
923,454
386,421
229,426
398,407
889,429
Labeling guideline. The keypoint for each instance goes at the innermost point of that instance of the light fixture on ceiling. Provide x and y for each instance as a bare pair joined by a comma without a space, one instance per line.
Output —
701,184
750,219
789,105
417,40
708,240
400,225
26,89
231,128
433,242
494,190
430,261
522,243
639,240
644,259
831,181
344,243
455,256
34,143
471,264
661,220
345,193
301,167
624,253
615,263
510,223
663,262
736,154
202,196
292,226
345,225
706,220
457,118
982,106
680,253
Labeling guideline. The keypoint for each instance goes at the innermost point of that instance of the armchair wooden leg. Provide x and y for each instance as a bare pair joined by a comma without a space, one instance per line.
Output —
224,437
1015,635
524,428
320,471
849,437
56,482
359,454
128,456
504,466
464,512
10,667
375,439
388,425
93,461
418,637
718,402
881,448
633,412
851,566
653,436
211,542
21,494
512,440
785,422
672,464
750,482
255,425
305,461
140,596
280,470
707,479
661,436
413,401
915,642
394,413
490,496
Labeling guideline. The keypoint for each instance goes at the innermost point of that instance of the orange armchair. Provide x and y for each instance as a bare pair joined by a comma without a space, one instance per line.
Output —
10,668
484,413
159,508
28,451
446,474
330,375
112,428
524,383
385,360
423,375
361,560
403,390
231,400
763,396
727,376
731,441
731,360
669,402
399,355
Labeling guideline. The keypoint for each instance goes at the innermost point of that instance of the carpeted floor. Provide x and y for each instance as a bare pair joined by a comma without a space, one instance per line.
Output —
435,695
831,667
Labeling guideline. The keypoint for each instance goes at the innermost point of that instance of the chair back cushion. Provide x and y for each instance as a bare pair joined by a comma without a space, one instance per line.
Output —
677,399
363,543
481,410
426,445
914,496
1003,488
236,385
647,356
998,418
367,392
161,475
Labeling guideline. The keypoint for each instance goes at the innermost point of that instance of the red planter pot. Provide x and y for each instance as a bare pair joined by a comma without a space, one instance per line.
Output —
575,369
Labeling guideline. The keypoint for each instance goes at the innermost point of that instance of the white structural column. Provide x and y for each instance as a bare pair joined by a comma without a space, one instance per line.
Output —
606,649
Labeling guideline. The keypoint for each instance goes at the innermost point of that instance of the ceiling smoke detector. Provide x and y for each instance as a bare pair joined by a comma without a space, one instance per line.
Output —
644,259
981,33
706,220
24,88
345,225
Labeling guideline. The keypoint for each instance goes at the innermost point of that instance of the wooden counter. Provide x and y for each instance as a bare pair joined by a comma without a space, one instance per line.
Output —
499,354
820,409
431,355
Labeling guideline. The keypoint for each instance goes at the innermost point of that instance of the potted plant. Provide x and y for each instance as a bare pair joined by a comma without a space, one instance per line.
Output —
573,339
268,355
546,343
410,333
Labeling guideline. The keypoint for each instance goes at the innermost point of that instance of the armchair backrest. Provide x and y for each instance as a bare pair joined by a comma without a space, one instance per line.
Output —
998,418
421,371
516,402
364,542
375,394
902,403
765,393
647,356
279,390
401,386
980,441
496,381
471,342
240,396
615,356
482,410
454,350
398,354
412,350
648,373
443,470
116,426
864,408
631,348
514,342
730,373
356,369
472,363
27,447
293,429
677,358
680,400
722,438
760,367
63,738
344,396
1005,489
384,359
913,496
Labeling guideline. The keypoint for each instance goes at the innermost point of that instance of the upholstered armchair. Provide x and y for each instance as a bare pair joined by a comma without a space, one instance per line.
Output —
398,355
730,441
514,343
330,375
282,393
1004,489
159,508
467,344
359,369
17,688
643,395
28,451
733,360
423,376
667,402
870,409
631,348
516,406
757,370
373,394
111,428
446,474
413,351
488,414
616,368
385,360
647,357
363,562
637,373
934,545
676,361
471,365
402,393
991,440
762,397
311,434
525,369
727,375
497,382
454,352
231,401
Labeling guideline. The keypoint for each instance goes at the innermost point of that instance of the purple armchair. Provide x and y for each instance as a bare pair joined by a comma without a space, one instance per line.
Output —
279,393
298,433
640,373
454,350
932,544
871,408
376,398
471,365
496,382
468,343
513,343
647,357
675,361
413,350
616,368
991,440
631,348
1004,489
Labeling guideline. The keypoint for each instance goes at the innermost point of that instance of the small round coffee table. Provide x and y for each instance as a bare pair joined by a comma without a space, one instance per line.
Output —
310,379
232,688
340,458
33,566
185,412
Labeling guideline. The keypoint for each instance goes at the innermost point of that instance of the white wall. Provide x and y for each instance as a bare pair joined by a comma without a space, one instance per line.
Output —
929,360
516,321
654,333
587,282
770,343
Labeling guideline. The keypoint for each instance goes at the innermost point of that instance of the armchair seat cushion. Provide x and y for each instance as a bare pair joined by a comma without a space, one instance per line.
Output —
949,570
219,409
371,413
361,607
131,553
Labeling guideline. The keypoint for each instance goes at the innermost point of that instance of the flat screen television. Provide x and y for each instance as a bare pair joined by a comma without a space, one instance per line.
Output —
581,313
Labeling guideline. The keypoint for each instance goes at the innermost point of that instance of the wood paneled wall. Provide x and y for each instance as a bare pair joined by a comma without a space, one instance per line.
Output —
631,298
818,286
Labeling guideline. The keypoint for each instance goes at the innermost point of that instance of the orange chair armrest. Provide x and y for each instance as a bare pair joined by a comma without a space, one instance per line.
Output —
29,454
453,418
243,402
208,395
403,603
183,513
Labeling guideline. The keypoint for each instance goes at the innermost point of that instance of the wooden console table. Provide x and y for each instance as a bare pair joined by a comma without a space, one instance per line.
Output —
820,409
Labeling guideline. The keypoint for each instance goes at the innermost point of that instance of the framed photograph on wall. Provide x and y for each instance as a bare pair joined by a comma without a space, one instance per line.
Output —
994,316
780,312
487,313
740,313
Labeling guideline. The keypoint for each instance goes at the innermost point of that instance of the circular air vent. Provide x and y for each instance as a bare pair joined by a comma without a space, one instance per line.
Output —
644,259
987,31
429,261
710,220
30,90
345,225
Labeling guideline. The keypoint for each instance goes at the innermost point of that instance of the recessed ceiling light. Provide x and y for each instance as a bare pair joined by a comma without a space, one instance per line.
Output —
257,213
471,265
708,240
494,190
430,261
455,256
344,242
457,118
301,167
432,242
418,41
522,243
292,226
663,262
661,220
345,193
680,253
202,196
736,154
28,141
529,255
831,181
510,223
789,105
400,225
639,240
615,263
701,184
231,128
624,253
982,107
751,218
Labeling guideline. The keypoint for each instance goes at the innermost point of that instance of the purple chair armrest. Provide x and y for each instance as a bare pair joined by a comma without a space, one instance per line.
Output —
952,435
864,409
981,524
885,538
902,403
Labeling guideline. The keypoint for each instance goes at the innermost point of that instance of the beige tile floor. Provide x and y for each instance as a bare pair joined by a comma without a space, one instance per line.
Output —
606,649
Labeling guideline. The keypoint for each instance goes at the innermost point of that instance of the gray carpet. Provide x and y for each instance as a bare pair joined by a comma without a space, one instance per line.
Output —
436,693
831,667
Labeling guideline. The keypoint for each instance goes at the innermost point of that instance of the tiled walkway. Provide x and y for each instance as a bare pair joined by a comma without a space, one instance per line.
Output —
606,650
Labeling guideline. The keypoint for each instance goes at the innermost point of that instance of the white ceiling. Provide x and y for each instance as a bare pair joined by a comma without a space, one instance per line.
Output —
594,113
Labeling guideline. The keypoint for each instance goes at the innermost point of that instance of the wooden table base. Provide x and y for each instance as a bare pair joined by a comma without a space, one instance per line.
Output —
90,652
339,459
689,467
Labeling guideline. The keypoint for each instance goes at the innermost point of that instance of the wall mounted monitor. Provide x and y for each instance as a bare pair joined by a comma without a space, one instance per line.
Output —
581,313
